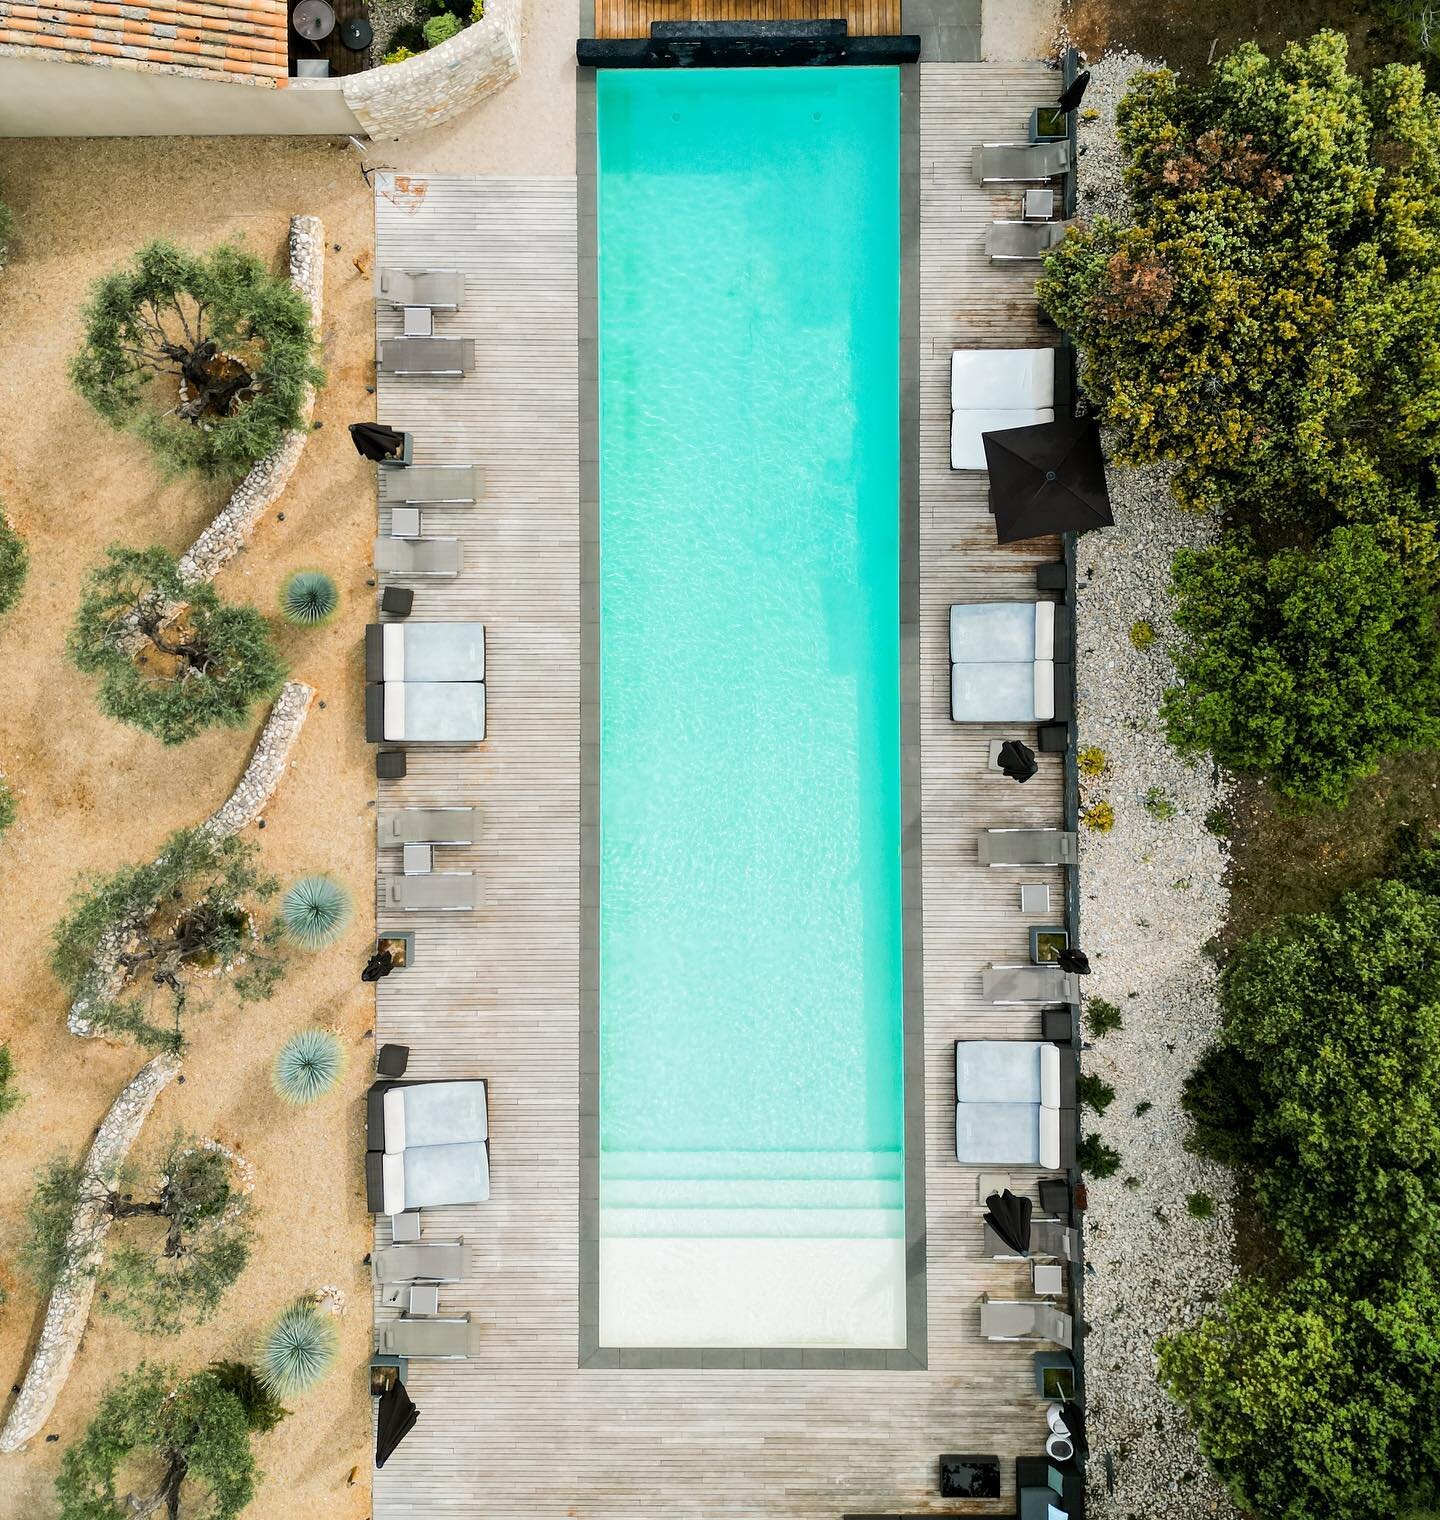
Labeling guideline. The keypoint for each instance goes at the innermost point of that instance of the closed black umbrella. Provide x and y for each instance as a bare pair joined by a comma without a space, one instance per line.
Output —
1017,761
1009,1217
376,441
1074,92
1074,960
395,1421
1047,478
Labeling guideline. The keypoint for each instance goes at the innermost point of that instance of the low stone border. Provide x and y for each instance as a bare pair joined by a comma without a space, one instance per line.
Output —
255,788
69,1309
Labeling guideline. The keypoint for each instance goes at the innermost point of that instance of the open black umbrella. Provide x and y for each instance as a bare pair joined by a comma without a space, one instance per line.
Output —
1009,1217
1017,761
395,1421
1047,478
1074,92
1074,960
376,441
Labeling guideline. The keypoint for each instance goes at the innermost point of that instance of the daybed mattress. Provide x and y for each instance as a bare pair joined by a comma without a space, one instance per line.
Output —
982,632
967,445
436,712
1007,1071
987,379
430,1176
432,652
997,1134
434,1113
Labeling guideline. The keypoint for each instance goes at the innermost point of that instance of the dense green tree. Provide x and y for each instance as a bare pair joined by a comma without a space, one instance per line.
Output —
171,929
176,1234
204,356
14,563
1307,667
161,1444
172,659
1271,320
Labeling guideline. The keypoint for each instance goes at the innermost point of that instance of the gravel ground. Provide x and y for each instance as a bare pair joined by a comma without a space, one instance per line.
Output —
1153,895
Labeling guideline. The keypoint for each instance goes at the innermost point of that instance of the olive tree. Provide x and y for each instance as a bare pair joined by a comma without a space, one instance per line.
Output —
176,1233
172,658
141,945
207,357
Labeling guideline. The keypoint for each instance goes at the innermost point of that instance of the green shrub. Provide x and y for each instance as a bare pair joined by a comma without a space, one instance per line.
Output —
1217,822
408,37
186,920
314,912
441,28
1098,816
1308,667
1142,634
1095,1158
191,1433
1143,1108
240,338
8,806
194,660
1102,1017
10,1095
1158,805
1094,1092
308,1066
14,561
298,1350
1091,763
1200,1205
309,598
263,1411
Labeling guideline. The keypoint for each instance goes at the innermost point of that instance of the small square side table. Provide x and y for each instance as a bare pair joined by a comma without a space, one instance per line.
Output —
419,322
404,522
1049,1279
405,1228
1038,205
424,1299
418,859
1034,897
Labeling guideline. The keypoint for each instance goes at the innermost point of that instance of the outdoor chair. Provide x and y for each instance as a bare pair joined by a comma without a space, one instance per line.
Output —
433,484
434,892
1024,1319
433,1261
1012,163
429,1339
418,556
439,289
441,825
1029,984
443,357
1027,847
1048,1237
1022,242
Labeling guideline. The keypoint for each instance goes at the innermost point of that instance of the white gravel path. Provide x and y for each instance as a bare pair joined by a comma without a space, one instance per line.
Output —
1152,896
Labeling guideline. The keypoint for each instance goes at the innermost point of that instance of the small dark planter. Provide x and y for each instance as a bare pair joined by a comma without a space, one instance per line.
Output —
398,601
1047,124
390,764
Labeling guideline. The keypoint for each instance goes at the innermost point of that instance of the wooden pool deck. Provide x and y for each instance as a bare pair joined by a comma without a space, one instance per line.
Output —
632,18
522,1431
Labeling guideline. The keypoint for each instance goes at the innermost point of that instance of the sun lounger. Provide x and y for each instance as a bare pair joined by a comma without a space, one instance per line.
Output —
996,388
425,652
1048,1237
418,556
434,1261
425,712
441,289
1022,242
1011,163
432,1339
432,892
444,357
1027,847
1029,984
442,825
428,483
1024,1319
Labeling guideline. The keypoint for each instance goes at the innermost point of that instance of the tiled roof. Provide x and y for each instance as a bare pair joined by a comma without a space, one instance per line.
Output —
244,38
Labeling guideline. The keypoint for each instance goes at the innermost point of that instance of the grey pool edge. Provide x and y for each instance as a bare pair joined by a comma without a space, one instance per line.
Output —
591,1354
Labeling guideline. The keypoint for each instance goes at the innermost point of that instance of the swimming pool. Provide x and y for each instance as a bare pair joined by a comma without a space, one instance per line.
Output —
750,947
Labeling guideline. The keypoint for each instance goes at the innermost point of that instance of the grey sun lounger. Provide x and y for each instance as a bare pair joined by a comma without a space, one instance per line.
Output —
419,484
1029,984
446,357
1023,163
442,825
1028,847
447,1339
418,556
440,289
1048,1237
435,1261
433,892
1020,242
1024,1319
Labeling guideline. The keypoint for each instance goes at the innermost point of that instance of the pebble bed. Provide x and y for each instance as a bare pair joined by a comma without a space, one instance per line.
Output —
1153,894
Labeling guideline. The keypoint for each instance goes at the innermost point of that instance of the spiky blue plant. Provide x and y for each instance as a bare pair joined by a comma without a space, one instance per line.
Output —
308,1066
297,1350
309,597
314,912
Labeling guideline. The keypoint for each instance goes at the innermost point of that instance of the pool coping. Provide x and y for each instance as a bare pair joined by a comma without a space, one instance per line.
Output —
591,1354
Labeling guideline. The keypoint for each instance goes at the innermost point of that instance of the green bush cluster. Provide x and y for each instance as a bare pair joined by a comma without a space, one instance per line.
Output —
1268,323
1311,1386
14,564
447,19
10,1096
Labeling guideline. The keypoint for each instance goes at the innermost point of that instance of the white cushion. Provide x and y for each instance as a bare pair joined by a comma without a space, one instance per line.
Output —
392,1184
392,1105
1044,630
393,722
1021,378
967,447
392,652
1044,690
1049,1080
1049,1136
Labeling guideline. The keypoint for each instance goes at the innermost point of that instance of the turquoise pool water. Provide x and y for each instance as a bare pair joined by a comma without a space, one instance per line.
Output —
750,934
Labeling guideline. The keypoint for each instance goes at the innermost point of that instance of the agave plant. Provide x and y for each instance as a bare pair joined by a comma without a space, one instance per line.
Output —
309,597
297,1350
308,1065
314,912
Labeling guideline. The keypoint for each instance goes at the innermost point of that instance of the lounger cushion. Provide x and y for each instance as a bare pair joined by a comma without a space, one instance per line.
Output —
1049,1076
998,1134
1007,379
418,556
1049,1136
436,712
998,1071
431,1176
988,632
996,693
967,447
434,1113
433,652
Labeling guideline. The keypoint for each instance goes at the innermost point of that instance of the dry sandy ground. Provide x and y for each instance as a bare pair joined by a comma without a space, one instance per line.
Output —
94,794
